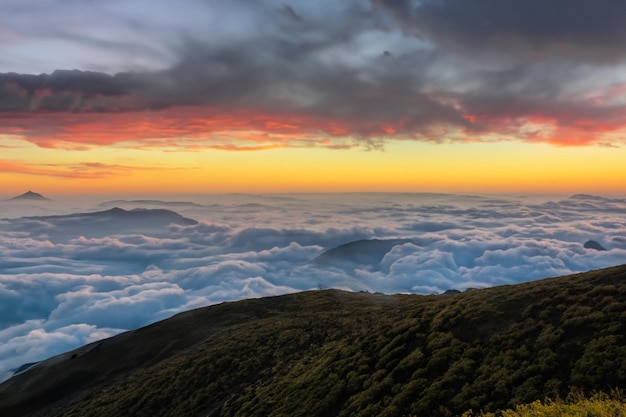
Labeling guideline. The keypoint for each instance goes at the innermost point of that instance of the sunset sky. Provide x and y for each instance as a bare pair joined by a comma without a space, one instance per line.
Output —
190,96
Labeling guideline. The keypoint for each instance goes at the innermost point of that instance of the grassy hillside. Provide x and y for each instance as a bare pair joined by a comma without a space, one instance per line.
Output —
575,405
332,353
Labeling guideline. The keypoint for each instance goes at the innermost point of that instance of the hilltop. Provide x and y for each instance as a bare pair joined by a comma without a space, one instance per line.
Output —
335,353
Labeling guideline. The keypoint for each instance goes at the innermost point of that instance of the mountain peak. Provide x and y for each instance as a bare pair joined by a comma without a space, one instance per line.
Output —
30,195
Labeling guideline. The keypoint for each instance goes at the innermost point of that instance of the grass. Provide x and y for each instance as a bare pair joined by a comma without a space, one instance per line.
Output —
575,405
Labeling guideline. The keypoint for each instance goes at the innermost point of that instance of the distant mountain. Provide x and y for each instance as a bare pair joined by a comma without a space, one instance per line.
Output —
333,353
101,223
592,244
366,252
29,195
138,216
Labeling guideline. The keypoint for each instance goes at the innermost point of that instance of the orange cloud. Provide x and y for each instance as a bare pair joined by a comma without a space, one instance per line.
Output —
186,128
582,123
85,170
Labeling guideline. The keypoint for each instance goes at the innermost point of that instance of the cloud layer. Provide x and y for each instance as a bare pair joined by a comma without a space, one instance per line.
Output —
67,280
242,75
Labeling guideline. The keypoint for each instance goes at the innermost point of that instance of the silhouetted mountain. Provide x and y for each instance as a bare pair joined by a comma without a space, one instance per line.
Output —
29,195
359,253
333,353
592,244
101,223
117,218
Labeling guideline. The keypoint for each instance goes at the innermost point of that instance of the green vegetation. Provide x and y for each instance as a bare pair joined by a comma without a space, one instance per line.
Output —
576,405
332,353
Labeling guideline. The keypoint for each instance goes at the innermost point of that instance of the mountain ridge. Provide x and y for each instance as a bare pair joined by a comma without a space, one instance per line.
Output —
117,212
334,353
101,223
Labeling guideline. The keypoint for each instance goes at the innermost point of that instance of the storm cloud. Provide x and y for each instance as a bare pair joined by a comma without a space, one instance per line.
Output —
578,29
346,74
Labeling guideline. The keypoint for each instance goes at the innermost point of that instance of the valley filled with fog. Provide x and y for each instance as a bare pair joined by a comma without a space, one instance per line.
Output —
75,271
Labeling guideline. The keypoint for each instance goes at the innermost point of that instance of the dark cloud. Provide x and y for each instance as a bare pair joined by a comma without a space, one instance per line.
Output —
284,80
63,81
68,90
339,75
575,28
309,66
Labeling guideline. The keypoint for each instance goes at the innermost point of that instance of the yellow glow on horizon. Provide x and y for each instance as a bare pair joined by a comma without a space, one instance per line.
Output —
403,166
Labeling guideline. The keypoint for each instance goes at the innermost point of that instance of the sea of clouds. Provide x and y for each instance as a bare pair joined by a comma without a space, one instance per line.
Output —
68,281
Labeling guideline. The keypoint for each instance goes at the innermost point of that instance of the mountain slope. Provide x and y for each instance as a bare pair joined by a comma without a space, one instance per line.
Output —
332,353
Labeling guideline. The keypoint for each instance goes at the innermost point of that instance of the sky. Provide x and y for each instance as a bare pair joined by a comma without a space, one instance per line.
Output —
76,271
194,96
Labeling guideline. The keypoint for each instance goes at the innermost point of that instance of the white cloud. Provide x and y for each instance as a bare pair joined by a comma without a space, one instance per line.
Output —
62,288
32,341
